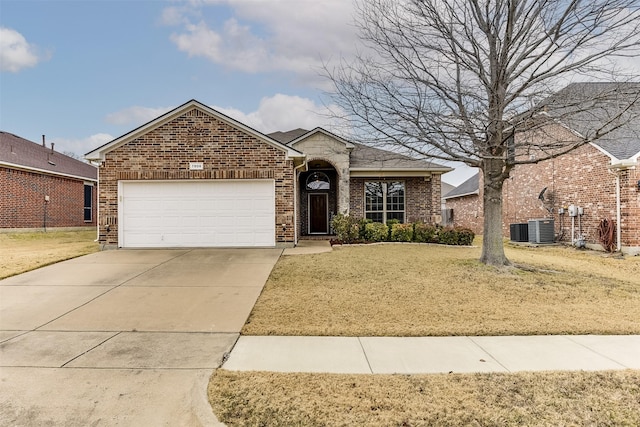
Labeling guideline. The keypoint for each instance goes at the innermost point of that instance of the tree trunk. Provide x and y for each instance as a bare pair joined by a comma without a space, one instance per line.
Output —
492,245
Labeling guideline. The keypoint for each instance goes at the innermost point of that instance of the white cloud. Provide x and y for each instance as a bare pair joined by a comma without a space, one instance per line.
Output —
277,35
82,145
136,115
282,113
278,112
15,52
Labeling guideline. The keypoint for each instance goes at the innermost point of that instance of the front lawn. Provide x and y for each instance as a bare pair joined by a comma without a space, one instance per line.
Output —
432,290
21,252
523,399
416,290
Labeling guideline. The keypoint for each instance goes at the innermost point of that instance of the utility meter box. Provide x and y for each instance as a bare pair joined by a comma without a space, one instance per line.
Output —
573,210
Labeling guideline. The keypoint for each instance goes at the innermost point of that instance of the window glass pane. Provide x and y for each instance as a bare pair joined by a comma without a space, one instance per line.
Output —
395,215
374,216
88,201
318,181
395,198
374,196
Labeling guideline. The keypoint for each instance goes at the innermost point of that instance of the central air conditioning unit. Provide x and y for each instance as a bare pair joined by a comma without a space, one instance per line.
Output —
519,232
541,231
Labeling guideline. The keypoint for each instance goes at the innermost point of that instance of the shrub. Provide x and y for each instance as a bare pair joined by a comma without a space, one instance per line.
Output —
456,236
390,224
363,227
426,233
347,228
448,236
376,232
401,232
465,236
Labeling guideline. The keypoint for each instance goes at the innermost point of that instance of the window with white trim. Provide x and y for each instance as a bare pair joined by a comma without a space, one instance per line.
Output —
384,201
88,202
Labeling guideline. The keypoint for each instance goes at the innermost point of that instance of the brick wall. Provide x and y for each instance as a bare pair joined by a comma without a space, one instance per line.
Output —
422,197
467,212
22,200
580,178
164,153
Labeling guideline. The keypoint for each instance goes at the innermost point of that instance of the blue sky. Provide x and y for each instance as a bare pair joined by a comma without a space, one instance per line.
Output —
83,72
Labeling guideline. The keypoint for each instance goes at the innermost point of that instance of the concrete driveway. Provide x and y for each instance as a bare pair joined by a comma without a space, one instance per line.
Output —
126,337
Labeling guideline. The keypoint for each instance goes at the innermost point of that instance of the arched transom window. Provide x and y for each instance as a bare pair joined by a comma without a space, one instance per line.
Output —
318,181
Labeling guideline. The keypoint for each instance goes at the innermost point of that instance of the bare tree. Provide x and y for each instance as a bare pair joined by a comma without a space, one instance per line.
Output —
453,80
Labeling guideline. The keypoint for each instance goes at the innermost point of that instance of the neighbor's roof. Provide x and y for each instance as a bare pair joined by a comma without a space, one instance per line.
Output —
363,157
288,136
468,188
99,153
587,107
20,153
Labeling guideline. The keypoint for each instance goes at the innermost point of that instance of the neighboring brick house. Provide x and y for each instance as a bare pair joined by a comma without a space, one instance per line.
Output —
589,177
41,188
195,177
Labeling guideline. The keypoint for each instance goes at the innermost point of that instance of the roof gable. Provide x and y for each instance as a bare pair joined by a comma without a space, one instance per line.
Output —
318,130
574,106
17,152
100,152
468,188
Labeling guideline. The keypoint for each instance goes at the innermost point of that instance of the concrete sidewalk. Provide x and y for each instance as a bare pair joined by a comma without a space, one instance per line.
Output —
426,355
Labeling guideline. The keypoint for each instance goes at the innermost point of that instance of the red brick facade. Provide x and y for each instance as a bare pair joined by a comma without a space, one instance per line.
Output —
580,178
164,153
422,197
23,205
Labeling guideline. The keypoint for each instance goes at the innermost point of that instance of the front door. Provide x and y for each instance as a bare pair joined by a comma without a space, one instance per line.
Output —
318,214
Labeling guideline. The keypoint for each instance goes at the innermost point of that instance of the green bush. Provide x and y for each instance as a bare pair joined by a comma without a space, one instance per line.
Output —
448,236
456,236
376,232
465,236
390,224
426,233
347,228
401,232
363,227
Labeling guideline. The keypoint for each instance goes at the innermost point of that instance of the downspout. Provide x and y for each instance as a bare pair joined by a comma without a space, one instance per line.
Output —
618,214
617,168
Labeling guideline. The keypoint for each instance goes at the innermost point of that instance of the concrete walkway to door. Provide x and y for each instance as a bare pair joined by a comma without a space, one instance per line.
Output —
126,337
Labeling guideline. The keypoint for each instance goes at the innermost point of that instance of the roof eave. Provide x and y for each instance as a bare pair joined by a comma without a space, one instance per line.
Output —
46,171
455,196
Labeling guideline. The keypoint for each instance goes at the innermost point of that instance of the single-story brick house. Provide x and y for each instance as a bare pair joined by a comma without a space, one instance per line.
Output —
195,177
41,188
602,178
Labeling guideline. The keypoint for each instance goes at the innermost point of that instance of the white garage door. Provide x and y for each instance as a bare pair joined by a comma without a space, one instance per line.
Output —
197,213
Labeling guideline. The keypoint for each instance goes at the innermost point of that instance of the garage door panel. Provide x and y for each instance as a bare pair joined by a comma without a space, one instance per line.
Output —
198,214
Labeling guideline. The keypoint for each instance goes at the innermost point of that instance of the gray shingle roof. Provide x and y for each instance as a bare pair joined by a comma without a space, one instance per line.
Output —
470,186
288,136
365,157
15,150
587,107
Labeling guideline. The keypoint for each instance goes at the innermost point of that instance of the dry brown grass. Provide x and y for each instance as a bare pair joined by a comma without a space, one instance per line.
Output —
527,399
430,290
21,252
